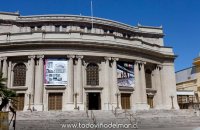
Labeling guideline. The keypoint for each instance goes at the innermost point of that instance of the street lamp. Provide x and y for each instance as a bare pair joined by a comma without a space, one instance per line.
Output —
75,96
172,101
117,94
29,102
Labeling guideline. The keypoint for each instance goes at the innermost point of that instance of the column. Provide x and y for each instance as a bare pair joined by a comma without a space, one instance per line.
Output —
79,82
114,89
39,86
140,95
5,67
106,77
9,74
168,82
30,82
70,85
31,75
158,87
136,94
143,84
1,59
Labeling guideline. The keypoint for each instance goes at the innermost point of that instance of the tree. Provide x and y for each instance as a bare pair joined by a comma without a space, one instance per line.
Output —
5,94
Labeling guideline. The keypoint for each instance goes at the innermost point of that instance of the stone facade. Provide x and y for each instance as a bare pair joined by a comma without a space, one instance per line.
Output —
29,40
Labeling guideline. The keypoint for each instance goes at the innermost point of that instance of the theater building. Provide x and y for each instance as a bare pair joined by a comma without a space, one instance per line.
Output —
188,86
68,62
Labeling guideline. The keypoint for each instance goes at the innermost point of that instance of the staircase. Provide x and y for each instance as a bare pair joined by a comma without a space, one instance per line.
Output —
57,120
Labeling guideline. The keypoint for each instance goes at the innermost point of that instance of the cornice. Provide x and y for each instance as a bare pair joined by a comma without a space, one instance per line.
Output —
85,45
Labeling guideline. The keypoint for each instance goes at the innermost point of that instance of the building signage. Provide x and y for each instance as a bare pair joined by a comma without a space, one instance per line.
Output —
125,74
55,71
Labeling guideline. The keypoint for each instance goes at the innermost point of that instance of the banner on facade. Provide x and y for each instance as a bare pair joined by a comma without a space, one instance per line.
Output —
125,74
55,71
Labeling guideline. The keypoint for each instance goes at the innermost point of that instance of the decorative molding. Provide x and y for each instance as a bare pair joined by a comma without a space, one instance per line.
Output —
115,58
71,56
40,56
107,58
79,57
31,57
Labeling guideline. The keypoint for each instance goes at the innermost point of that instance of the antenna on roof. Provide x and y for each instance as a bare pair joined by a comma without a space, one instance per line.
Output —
92,13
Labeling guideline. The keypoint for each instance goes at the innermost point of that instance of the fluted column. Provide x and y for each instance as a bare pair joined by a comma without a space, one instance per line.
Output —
31,75
143,84
168,82
39,84
140,94
5,67
158,87
107,87
114,89
70,87
79,80
9,74
136,95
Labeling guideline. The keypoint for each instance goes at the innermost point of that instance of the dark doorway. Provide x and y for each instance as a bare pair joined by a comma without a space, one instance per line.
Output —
125,100
94,101
55,101
150,101
19,102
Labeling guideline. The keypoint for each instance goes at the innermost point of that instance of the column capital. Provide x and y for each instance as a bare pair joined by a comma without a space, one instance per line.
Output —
31,57
158,66
40,56
79,57
3,58
115,58
70,56
107,58
140,62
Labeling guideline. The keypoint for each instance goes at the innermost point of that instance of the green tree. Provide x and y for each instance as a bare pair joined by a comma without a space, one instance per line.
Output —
5,94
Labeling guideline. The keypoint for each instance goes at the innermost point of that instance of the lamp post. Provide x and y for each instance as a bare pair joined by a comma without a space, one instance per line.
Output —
75,96
29,102
117,94
172,101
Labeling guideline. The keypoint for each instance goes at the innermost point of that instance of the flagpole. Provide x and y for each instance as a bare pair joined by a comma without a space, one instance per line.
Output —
92,13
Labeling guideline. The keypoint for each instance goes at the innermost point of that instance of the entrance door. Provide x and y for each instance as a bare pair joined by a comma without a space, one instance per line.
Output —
55,101
125,101
19,102
150,101
94,101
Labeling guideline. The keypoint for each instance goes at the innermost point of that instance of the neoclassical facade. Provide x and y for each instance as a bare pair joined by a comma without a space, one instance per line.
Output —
63,62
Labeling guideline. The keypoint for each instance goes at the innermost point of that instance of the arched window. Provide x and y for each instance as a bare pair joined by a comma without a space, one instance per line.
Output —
19,75
148,78
92,74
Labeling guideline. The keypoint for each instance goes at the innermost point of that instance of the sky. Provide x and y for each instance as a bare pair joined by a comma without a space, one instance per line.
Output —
180,19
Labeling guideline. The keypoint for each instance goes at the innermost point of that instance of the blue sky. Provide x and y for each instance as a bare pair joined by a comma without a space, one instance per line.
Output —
180,18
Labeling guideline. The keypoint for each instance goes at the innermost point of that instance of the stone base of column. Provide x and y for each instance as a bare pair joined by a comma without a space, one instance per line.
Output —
38,107
68,107
81,106
140,106
159,107
27,108
169,107
108,106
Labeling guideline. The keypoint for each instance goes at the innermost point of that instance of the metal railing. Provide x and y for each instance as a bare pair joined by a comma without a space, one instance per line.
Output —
132,117
93,117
